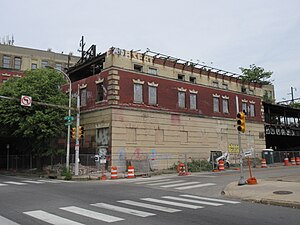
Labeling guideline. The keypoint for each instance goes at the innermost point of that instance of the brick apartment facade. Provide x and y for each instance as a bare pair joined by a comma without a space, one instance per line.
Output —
139,103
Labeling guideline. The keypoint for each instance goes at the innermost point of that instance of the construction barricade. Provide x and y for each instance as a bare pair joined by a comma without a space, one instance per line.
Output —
263,163
221,165
297,160
114,173
130,173
293,161
181,169
286,161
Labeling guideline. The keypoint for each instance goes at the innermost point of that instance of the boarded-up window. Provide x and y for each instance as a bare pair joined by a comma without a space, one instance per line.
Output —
252,110
225,106
152,95
131,135
159,136
193,101
216,102
102,136
138,93
83,97
183,137
100,92
181,99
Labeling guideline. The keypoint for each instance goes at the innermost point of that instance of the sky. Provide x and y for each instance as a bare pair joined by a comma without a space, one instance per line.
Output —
225,34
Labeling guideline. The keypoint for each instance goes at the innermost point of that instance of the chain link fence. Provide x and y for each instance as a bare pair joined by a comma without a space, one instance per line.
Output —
143,163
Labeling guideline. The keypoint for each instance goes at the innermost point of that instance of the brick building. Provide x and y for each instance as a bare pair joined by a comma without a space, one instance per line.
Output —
146,102
14,60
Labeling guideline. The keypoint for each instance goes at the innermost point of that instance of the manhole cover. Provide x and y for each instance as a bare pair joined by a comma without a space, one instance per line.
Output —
282,192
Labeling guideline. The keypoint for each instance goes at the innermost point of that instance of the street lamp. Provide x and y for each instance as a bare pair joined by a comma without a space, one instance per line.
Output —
69,114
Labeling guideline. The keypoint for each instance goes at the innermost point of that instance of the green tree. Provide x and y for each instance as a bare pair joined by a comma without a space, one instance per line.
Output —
39,125
256,74
295,104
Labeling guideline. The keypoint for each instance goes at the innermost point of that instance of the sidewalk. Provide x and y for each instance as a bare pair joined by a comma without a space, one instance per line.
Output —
282,191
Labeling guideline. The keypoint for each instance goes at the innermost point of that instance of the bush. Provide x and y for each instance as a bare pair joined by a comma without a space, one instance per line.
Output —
199,165
67,174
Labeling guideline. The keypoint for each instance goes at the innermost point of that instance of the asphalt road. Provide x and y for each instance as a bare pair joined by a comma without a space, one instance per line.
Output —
167,199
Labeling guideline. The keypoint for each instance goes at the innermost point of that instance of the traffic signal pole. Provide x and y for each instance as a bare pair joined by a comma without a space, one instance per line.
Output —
77,135
242,180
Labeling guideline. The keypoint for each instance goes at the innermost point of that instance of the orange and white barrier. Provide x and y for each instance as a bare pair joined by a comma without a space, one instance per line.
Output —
182,169
297,160
114,173
263,163
130,173
286,161
221,165
293,161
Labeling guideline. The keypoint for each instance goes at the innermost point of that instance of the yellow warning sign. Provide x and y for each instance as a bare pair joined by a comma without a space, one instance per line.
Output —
233,149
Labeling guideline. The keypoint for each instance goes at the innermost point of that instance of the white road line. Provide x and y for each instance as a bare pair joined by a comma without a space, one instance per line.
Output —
4,221
192,201
51,218
33,181
150,206
210,199
51,181
152,181
182,184
123,210
172,203
3,185
13,182
92,214
168,182
195,186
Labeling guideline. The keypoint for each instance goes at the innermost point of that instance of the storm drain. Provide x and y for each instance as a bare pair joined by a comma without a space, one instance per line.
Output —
282,192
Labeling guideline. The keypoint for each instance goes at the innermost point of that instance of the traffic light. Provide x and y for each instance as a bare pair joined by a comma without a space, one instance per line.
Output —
73,132
80,131
241,122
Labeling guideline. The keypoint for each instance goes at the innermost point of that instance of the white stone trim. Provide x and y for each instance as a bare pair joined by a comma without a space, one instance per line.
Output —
181,89
244,100
152,84
138,81
193,91
252,102
5,74
225,97
216,95
100,80
82,86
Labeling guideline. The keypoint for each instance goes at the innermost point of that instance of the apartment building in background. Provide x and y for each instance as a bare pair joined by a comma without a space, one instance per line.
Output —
14,60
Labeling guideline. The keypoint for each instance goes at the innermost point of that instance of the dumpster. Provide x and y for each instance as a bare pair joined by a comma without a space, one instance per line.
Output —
268,155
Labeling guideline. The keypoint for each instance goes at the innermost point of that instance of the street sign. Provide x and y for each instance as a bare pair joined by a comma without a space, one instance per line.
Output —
26,100
102,161
69,118
233,149
68,123
248,153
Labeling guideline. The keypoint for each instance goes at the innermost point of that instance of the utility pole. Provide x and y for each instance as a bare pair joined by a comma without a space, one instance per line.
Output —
77,135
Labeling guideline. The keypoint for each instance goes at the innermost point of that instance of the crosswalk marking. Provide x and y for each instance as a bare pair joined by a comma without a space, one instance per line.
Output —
168,182
195,186
211,199
16,183
123,210
3,185
32,181
92,214
182,184
173,203
51,218
150,206
192,201
5,221
152,181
